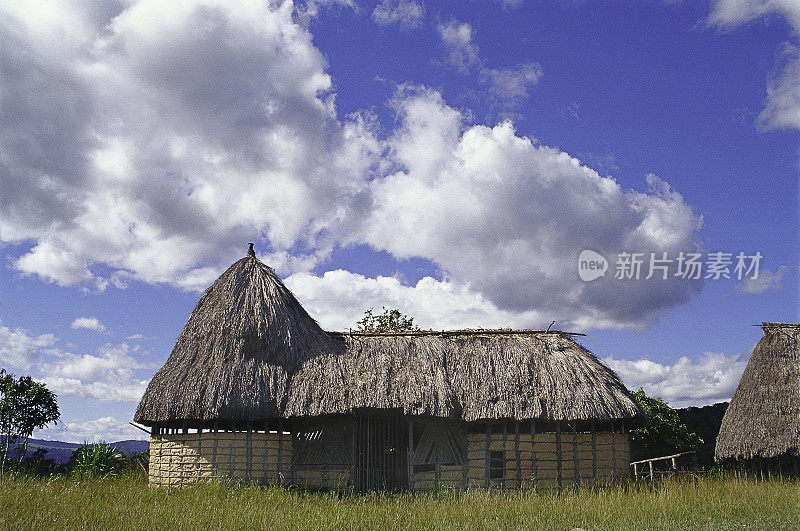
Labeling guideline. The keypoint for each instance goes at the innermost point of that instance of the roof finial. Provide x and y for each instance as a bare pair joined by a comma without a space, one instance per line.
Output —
250,251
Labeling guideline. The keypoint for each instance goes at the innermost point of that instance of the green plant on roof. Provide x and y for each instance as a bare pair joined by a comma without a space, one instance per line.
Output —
388,321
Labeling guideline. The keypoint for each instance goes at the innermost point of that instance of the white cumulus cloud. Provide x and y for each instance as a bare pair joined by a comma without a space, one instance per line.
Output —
765,281
732,13
157,137
462,52
510,4
408,13
88,323
19,349
782,104
508,217
337,299
109,375
782,108
104,429
709,379
512,84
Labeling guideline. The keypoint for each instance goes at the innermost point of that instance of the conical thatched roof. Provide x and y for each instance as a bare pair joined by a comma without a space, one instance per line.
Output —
250,352
233,360
763,418
463,374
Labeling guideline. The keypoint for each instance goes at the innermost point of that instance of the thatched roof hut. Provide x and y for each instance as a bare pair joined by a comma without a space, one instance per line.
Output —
255,389
763,418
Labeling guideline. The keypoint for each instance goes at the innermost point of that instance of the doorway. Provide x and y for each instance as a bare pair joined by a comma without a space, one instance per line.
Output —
380,450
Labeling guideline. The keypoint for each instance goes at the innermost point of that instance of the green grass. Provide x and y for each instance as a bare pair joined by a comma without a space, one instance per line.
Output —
126,502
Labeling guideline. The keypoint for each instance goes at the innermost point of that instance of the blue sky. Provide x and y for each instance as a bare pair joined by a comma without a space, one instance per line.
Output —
450,159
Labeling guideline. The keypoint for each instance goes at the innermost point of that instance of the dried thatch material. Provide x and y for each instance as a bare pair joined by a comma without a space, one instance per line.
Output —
469,375
235,356
763,418
250,352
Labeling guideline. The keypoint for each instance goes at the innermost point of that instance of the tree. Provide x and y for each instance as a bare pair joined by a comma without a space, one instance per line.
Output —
665,433
25,405
388,321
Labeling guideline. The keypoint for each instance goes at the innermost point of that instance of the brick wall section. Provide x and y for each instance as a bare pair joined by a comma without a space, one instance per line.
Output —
190,458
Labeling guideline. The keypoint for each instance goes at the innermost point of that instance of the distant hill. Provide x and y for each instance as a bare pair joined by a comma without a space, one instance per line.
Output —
60,452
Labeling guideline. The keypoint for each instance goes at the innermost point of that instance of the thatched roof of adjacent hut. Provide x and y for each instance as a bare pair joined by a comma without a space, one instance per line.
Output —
471,375
763,418
251,352
233,360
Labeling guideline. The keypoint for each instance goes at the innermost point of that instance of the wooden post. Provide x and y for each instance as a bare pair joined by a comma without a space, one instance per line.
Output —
505,439
674,465
465,472
266,453
233,451
635,472
575,460
410,455
558,452
214,466
614,456
594,452
652,477
280,449
249,451
437,466
517,454
487,464
534,468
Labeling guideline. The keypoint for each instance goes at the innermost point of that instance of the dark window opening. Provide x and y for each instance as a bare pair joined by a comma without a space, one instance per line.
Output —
476,427
497,464
428,467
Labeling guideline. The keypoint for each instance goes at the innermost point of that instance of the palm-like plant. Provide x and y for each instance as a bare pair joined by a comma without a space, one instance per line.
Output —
99,460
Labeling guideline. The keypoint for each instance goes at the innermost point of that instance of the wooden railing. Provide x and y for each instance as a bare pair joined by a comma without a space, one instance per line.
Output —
651,472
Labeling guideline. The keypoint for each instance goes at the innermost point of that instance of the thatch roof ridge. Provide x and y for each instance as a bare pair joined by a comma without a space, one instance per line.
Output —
456,332
763,418
466,376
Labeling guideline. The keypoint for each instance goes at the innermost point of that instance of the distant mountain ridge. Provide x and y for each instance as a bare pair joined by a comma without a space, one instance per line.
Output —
60,452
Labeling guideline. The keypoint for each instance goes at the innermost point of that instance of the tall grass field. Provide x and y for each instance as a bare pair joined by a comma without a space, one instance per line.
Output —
127,502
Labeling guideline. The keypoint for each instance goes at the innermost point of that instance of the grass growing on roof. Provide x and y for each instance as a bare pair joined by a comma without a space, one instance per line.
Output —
127,502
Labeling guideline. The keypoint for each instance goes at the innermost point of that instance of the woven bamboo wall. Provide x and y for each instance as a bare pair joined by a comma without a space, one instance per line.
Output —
189,458
547,459
541,460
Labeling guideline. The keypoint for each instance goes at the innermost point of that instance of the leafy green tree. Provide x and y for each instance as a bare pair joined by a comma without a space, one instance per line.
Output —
665,433
25,405
388,321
